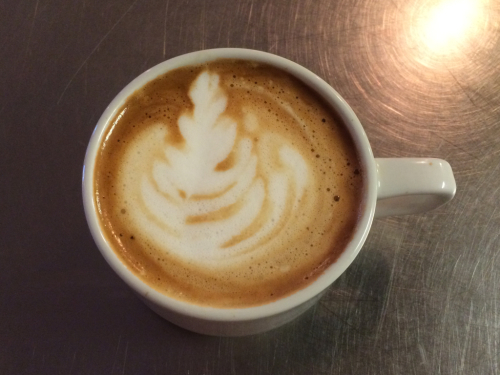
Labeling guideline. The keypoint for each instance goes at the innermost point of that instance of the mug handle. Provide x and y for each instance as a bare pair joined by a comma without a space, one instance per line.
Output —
412,185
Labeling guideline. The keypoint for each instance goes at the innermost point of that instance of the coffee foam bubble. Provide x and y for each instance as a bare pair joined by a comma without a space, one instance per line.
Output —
217,192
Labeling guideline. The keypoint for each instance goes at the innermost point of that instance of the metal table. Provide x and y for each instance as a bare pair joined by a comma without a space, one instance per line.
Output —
423,297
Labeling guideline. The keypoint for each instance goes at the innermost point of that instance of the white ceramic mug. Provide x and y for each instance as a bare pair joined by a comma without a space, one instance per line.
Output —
393,187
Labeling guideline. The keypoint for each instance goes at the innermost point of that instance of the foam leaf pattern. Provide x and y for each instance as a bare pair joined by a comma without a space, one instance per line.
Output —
209,138
200,213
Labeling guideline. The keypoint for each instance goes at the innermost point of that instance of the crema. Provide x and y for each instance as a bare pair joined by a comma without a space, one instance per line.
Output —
227,184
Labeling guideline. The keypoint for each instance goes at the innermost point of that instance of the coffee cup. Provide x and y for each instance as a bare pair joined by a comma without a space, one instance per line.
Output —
229,188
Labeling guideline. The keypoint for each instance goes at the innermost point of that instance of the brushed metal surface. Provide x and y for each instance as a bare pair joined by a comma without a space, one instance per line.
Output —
423,297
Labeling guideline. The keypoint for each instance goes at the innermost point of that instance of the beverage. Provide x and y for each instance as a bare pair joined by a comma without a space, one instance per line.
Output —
227,184
229,194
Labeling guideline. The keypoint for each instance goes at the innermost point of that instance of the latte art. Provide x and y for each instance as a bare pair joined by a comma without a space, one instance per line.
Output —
191,207
227,184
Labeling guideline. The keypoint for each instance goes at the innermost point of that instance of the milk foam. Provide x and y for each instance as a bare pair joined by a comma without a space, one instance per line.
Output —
186,206
227,184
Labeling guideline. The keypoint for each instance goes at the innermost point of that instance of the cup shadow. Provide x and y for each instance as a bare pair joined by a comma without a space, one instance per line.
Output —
355,302
338,328
338,331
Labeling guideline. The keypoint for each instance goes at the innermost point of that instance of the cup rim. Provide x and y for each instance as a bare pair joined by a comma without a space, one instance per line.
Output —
247,313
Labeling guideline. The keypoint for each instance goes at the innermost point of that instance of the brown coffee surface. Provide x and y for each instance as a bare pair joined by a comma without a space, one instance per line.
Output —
227,184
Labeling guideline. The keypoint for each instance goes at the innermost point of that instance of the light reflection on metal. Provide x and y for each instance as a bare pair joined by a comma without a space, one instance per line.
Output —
450,25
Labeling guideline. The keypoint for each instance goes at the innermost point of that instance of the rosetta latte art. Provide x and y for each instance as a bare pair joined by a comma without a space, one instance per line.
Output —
227,184
224,192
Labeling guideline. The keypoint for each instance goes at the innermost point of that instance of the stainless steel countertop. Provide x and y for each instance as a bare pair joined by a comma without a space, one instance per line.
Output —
423,297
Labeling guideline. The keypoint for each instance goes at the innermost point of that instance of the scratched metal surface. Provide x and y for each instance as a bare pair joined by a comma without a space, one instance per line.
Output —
423,297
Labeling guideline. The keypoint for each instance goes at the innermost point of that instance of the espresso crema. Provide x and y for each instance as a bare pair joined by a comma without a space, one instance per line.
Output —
227,184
